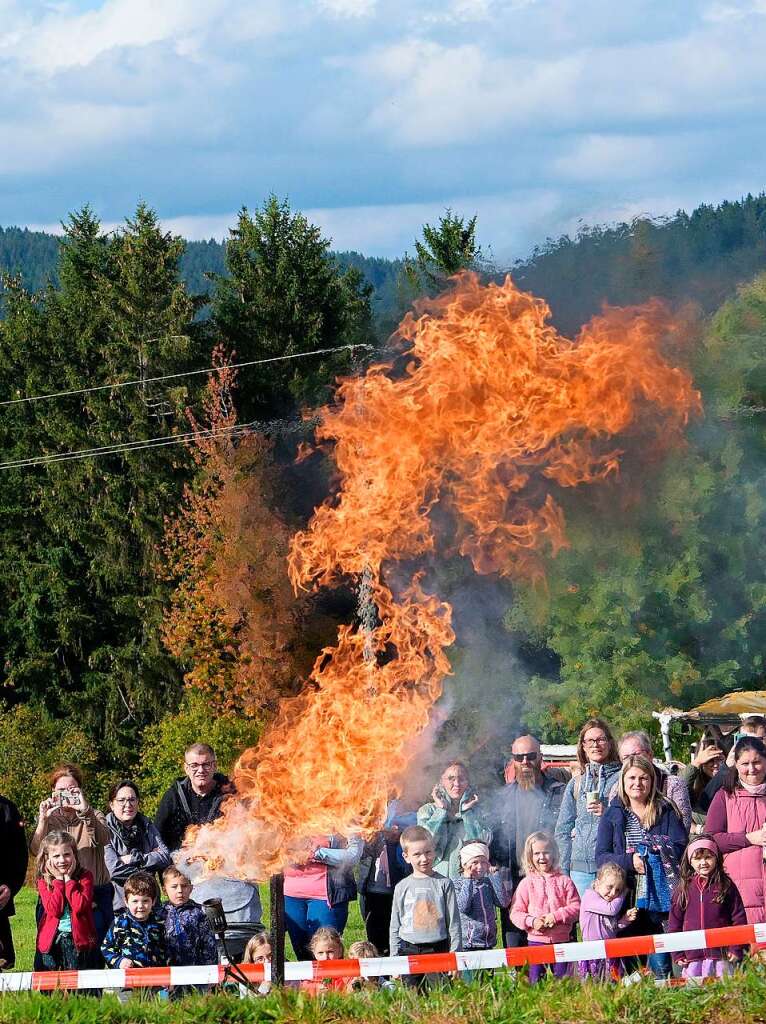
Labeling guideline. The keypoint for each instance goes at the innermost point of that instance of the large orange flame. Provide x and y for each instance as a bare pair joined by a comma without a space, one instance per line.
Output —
485,408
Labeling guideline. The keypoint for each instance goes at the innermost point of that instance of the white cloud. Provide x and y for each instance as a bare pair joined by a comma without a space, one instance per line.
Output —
348,8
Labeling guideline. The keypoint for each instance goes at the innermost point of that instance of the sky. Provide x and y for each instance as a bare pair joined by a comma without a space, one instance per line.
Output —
374,116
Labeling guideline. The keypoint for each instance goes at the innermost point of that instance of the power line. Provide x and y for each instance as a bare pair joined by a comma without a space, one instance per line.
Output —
187,373
125,446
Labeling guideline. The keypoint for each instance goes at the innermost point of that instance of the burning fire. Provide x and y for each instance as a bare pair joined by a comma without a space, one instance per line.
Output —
485,407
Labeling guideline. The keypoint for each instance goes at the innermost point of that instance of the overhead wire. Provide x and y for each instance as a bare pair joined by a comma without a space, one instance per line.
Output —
186,373
118,448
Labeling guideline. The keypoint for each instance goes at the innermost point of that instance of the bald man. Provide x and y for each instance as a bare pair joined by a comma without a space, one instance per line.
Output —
528,804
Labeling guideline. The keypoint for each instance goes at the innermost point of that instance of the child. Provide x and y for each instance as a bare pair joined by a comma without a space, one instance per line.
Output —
136,937
365,951
66,931
600,918
188,935
257,951
325,944
479,895
705,898
424,916
546,904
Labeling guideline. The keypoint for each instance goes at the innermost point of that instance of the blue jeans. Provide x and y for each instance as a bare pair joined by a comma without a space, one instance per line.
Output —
583,880
304,917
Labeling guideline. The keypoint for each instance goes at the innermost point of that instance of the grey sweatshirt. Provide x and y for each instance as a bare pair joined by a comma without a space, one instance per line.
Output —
425,911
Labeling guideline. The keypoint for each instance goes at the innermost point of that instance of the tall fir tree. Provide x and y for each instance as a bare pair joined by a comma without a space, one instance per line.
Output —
79,580
285,294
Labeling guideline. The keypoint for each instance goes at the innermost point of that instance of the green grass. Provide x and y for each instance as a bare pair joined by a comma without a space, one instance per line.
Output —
498,1000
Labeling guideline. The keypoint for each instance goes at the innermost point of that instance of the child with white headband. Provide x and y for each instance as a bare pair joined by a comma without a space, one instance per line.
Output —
705,898
479,896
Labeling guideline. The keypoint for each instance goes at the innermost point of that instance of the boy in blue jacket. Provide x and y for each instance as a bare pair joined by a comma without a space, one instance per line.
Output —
136,937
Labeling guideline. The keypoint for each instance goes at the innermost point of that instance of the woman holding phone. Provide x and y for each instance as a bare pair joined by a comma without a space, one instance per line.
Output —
67,810
453,816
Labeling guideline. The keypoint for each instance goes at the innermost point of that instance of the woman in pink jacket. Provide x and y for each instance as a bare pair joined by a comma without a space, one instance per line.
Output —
546,904
737,822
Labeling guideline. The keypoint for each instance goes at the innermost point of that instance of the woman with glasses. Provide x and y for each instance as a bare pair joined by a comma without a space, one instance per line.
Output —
135,843
585,800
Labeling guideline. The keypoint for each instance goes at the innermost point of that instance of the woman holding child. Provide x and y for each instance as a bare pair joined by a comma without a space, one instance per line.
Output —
453,818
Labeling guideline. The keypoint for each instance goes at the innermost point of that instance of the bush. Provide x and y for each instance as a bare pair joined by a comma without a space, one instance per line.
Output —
161,754
32,742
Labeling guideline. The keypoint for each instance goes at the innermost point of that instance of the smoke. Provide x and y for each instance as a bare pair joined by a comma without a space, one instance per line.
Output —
449,460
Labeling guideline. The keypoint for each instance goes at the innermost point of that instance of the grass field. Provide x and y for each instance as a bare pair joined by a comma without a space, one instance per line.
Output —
498,1000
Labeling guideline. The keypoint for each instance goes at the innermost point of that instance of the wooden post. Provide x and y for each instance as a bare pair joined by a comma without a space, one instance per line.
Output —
277,908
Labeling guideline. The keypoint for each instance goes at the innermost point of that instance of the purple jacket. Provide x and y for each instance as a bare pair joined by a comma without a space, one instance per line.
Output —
702,912
599,918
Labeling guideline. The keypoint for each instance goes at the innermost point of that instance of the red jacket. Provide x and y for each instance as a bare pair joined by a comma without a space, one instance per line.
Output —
78,893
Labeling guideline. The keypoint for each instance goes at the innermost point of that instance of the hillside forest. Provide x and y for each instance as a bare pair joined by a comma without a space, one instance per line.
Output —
144,592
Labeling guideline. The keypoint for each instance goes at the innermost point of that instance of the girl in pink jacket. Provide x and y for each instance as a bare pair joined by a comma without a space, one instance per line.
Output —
546,904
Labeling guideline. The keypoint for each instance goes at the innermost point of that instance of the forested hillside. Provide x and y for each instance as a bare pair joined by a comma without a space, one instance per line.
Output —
128,573
698,257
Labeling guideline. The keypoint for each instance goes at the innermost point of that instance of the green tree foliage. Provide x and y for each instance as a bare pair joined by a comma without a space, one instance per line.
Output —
82,600
161,755
33,741
284,294
444,249
699,257
660,598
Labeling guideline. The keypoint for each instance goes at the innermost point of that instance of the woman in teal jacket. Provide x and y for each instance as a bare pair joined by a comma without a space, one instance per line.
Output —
452,818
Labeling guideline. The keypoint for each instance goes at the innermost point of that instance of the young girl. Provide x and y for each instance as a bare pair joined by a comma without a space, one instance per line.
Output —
66,932
325,944
705,898
601,917
546,904
257,951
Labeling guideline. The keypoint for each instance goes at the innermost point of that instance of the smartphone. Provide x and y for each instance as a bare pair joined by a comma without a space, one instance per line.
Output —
441,792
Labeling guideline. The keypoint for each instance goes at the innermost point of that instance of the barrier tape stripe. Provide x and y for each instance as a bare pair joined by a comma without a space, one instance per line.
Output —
312,970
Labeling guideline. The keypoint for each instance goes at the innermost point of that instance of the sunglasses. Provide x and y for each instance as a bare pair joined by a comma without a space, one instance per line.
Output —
532,757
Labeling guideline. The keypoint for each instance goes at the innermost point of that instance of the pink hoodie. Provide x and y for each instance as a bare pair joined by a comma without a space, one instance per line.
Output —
538,895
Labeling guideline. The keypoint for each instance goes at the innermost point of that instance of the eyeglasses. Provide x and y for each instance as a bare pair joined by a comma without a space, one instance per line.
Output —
126,800
531,757
600,742
203,766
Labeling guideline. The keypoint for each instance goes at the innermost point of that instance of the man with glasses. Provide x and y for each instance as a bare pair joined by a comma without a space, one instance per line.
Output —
196,800
193,800
529,803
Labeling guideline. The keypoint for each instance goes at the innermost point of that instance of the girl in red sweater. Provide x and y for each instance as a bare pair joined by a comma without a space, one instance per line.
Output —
66,931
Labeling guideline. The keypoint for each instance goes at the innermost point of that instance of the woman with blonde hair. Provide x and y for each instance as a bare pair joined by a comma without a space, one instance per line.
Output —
585,799
642,832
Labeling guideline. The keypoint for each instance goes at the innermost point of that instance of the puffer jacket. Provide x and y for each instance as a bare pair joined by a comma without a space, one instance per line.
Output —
579,853
538,895
730,818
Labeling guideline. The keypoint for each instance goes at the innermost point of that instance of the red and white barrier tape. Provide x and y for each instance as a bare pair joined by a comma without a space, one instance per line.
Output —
317,970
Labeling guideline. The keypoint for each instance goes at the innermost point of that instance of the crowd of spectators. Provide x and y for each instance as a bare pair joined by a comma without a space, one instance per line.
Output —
620,845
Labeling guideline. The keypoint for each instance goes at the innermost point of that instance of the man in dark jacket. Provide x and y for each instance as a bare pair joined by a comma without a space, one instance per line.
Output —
194,800
13,868
197,800
528,804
